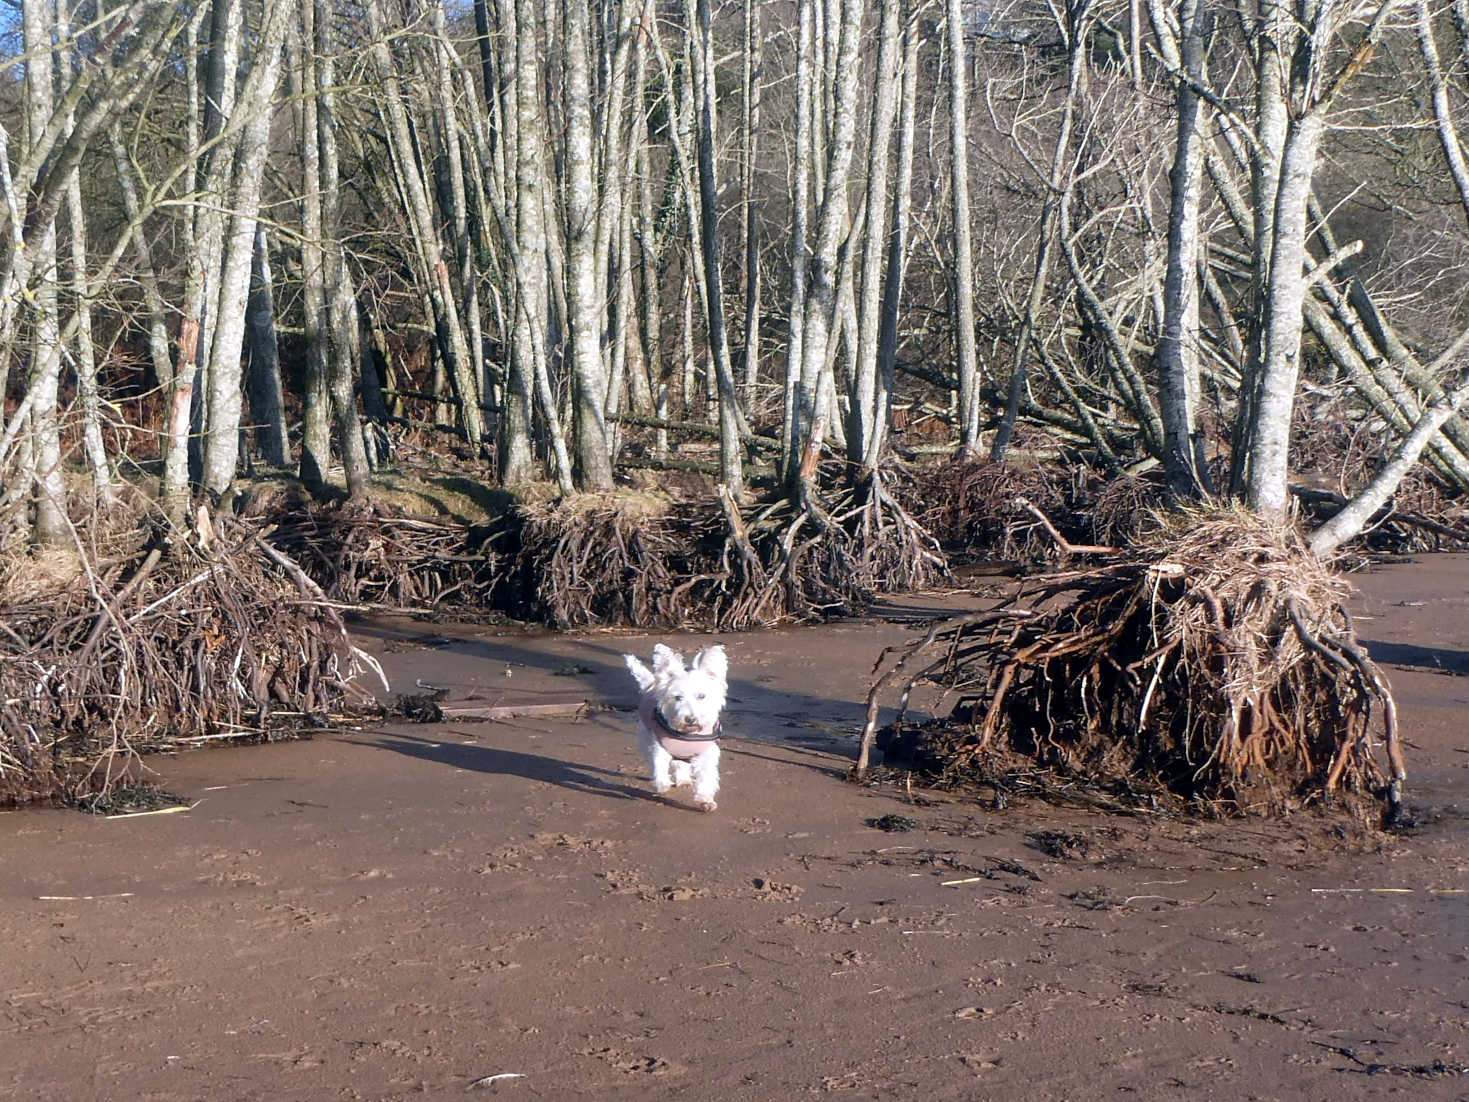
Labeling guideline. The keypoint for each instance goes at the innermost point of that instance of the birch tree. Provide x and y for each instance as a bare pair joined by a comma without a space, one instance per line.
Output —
38,22
1307,91
811,411
967,355
584,298
730,468
434,271
1178,343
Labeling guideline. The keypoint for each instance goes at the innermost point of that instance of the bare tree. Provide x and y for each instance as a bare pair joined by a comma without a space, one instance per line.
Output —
811,413
730,468
1178,343
967,354
267,409
584,299
448,328
38,21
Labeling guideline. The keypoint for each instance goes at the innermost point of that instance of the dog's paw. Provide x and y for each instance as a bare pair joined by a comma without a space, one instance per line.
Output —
662,787
707,805
683,773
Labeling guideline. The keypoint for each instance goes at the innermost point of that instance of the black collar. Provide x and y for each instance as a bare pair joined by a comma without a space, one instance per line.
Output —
673,732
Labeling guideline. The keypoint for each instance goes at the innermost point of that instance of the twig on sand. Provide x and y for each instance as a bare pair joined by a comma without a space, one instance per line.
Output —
159,811
489,1080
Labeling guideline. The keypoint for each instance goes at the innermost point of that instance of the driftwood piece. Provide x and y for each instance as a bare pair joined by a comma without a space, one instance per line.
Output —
471,710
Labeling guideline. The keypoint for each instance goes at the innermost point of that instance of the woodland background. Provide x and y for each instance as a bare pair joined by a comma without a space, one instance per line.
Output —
651,312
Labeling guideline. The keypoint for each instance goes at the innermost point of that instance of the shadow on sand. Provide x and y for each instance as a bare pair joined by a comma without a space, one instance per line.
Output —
1411,654
513,763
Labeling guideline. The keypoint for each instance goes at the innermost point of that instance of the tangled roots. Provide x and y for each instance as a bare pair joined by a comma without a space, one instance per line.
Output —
377,555
644,562
1215,660
971,508
615,559
162,647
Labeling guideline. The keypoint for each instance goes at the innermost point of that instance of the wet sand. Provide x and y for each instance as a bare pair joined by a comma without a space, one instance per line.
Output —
409,910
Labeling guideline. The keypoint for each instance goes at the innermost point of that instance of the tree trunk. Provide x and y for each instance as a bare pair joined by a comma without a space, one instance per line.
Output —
820,313
963,274
874,236
897,249
1268,489
43,386
267,414
730,468
316,432
1178,343
224,406
583,295
88,399
528,351
791,417
340,321
749,144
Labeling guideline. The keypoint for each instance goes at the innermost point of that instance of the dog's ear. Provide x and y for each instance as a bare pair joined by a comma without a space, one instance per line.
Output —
713,661
640,673
667,663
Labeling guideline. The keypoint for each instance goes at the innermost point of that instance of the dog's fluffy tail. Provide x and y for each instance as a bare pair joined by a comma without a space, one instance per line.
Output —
640,673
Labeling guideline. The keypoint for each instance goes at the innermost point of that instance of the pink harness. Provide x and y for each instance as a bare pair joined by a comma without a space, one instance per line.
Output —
683,745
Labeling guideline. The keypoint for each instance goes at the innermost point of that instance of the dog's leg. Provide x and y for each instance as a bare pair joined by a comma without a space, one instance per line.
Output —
705,768
660,761
683,773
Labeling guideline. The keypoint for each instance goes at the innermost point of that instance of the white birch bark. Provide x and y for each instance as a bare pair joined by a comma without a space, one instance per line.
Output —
873,235
820,316
225,394
1177,350
583,295
527,354
730,467
897,245
792,435
966,351
1313,90
750,100
43,385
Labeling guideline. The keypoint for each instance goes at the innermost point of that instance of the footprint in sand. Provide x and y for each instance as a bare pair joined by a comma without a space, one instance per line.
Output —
632,1064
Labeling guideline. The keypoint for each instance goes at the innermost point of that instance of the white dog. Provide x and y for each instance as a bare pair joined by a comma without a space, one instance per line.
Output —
678,719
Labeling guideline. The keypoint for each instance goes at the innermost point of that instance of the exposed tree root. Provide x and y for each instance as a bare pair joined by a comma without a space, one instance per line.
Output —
1214,660
971,507
380,556
632,560
157,647
637,560
803,558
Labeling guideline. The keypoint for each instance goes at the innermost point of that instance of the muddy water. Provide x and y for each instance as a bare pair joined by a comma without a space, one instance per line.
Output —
408,910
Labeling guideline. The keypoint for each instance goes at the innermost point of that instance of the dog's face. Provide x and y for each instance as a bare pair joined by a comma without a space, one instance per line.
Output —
690,698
